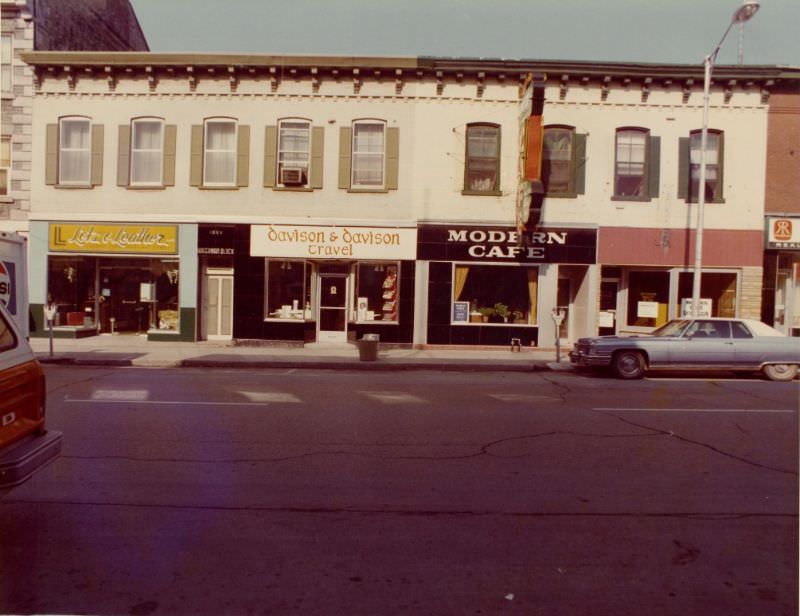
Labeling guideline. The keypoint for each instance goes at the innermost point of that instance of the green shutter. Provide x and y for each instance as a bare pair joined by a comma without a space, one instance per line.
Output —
270,156
51,155
580,164
345,155
654,167
317,150
97,154
683,168
196,163
392,157
243,156
170,141
124,155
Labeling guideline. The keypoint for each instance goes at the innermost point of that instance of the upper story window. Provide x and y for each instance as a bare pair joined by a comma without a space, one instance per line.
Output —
637,158
219,152
713,163
6,68
5,164
369,154
294,153
74,151
482,168
563,161
147,152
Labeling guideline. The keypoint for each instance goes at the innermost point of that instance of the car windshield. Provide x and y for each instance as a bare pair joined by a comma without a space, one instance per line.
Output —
673,328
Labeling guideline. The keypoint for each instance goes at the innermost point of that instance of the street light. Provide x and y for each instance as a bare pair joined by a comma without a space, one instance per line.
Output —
743,14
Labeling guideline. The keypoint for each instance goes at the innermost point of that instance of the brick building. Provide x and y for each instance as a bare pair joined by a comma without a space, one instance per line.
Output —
46,25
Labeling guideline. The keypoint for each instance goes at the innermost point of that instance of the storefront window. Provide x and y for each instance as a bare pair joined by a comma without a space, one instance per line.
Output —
71,287
377,292
495,294
288,290
718,287
648,298
115,295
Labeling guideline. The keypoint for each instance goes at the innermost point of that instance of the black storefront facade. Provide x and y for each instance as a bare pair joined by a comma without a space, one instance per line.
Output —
489,285
299,283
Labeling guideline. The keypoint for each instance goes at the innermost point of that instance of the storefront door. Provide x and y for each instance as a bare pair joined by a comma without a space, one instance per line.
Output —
218,304
607,321
332,320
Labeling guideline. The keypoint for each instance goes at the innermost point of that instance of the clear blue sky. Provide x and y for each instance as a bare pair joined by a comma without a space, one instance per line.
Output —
680,31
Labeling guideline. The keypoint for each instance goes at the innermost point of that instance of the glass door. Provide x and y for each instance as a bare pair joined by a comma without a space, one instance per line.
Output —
607,319
332,322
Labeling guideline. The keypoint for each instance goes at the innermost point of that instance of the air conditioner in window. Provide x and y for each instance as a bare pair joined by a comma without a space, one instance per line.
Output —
292,176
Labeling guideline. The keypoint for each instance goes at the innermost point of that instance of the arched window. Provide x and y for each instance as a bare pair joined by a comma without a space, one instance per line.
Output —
713,163
369,154
74,151
631,158
560,160
294,152
219,152
147,152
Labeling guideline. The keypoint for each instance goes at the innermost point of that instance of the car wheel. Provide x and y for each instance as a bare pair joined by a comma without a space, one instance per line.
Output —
629,365
780,372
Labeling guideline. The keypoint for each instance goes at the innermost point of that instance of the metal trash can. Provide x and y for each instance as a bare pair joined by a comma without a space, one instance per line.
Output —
368,347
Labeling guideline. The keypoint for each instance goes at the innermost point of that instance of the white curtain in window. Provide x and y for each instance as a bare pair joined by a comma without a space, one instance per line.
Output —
220,154
75,151
712,156
146,152
368,149
294,144
630,153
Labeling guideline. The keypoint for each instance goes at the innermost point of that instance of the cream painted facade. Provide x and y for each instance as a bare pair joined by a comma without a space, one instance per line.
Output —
429,103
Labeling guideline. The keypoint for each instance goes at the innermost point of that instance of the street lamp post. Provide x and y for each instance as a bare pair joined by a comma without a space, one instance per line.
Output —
743,13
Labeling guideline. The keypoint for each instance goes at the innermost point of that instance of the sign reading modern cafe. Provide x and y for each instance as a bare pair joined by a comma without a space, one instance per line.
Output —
428,243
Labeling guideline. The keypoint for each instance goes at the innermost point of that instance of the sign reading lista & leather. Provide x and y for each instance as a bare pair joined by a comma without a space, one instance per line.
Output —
114,239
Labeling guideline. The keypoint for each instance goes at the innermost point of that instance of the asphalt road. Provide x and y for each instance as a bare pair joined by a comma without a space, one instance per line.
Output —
190,491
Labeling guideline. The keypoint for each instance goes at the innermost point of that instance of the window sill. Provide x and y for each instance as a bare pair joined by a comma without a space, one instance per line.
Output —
560,195
232,187
73,186
154,187
482,193
632,199
378,322
300,189
469,324
368,190
6,199
708,201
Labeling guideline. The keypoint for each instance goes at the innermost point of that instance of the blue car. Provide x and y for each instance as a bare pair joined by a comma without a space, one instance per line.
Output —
695,344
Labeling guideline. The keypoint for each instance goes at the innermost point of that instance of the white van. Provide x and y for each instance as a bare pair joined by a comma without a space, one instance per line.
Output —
25,444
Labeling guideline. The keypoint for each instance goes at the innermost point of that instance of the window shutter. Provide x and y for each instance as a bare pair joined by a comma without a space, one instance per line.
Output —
392,157
196,164
270,156
124,155
170,141
317,150
51,155
580,164
683,168
345,155
654,167
243,156
97,154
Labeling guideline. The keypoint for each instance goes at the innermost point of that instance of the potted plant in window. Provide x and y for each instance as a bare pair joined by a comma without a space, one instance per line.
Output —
519,316
486,312
502,311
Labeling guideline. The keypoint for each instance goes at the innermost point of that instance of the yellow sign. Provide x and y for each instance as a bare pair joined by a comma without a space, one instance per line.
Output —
114,239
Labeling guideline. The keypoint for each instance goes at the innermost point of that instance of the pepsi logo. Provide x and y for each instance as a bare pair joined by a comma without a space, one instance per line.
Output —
5,284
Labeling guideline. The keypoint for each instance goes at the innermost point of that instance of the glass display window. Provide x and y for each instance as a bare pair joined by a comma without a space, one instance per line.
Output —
495,294
72,287
648,298
288,289
377,292
719,287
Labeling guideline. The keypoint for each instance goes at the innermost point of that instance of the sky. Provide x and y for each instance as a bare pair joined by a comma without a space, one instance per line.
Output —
659,31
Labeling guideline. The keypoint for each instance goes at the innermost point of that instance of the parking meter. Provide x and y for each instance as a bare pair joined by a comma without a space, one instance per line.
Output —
50,315
558,315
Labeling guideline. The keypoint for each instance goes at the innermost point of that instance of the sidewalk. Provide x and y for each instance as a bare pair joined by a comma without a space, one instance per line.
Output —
125,350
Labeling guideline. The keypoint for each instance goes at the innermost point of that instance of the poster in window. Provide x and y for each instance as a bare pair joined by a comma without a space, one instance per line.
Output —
647,310
460,312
